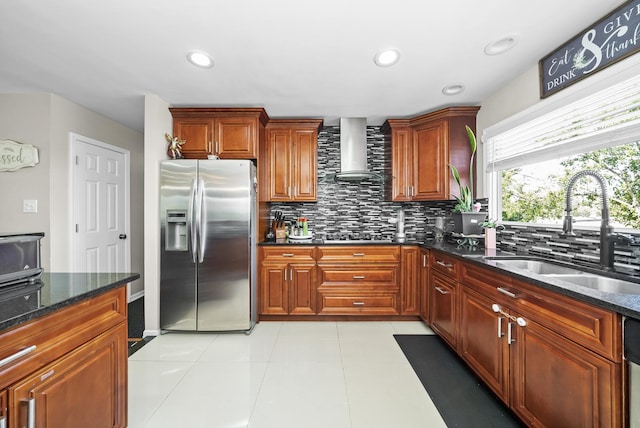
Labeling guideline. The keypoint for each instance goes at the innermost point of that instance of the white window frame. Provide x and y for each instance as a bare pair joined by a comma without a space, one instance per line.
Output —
492,179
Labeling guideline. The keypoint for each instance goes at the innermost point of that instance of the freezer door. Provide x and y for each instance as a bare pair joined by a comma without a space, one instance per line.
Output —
224,280
177,257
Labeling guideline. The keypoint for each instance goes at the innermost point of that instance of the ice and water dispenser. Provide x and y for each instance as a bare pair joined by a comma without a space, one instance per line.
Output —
176,231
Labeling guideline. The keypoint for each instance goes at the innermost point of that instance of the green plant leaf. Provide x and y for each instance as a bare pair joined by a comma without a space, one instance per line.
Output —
472,140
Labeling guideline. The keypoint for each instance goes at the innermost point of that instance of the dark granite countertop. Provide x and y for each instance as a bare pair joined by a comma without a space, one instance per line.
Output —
625,304
23,302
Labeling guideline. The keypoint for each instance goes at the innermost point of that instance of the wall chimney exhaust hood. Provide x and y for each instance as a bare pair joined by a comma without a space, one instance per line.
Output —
353,152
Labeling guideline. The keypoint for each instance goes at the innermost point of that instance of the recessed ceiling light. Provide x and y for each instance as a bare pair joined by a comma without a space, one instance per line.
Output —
453,89
387,57
200,59
501,45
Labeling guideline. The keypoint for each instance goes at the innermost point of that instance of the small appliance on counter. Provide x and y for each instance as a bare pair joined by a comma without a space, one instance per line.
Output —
20,258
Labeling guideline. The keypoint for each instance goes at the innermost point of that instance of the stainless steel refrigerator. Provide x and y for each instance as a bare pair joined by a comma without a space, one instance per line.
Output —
208,246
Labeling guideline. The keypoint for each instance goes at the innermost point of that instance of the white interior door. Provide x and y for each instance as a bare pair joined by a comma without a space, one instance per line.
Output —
100,206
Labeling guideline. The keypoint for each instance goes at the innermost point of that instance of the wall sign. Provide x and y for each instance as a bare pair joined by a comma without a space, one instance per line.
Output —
604,43
14,155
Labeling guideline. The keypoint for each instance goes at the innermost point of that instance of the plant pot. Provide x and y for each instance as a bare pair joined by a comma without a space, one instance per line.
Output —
490,239
468,223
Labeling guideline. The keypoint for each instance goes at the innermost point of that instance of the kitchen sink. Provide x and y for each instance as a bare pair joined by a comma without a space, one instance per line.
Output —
600,283
568,274
535,266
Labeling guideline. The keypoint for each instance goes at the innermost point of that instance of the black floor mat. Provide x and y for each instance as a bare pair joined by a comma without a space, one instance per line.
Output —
460,397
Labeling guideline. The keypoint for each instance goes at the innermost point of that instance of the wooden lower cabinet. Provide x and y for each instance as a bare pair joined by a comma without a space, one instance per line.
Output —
553,361
482,343
557,383
287,281
409,281
79,390
359,280
443,307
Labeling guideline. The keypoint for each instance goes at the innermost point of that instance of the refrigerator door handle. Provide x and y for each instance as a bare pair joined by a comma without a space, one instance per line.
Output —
202,222
192,222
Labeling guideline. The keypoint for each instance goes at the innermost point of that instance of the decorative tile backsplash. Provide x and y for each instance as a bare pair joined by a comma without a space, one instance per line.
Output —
360,207
582,249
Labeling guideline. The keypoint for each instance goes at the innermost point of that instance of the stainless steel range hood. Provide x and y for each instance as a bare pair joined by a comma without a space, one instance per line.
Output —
353,152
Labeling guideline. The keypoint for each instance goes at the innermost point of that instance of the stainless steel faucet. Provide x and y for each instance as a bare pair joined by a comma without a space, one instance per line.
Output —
607,237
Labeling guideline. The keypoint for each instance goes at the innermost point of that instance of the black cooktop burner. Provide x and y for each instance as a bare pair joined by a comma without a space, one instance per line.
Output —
354,237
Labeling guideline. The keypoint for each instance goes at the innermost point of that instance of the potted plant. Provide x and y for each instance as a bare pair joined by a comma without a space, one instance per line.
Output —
466,215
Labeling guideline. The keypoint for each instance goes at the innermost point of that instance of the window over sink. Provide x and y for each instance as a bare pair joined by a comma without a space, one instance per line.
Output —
529,165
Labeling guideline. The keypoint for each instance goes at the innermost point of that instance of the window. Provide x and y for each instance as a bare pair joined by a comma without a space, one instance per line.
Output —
529,165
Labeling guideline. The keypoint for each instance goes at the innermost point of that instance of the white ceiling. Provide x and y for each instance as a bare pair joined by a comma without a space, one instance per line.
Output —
296,58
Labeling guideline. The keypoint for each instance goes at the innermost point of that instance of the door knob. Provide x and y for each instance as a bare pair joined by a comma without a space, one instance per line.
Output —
122,236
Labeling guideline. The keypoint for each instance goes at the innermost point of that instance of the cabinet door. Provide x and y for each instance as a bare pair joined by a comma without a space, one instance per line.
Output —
87,388
198,134
557,383
273,289
402,164
236,137
483,344
409,293
424,285
305,154
302,290
279,166
443,307
431,172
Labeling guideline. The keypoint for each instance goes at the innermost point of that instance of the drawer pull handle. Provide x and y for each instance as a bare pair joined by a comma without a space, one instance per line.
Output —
358,276
358,303
443,264
19,354
358,254
507,292
288,255
442,290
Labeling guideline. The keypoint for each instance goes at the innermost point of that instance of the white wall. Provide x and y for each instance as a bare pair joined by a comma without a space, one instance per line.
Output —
157,122
45,120
25,119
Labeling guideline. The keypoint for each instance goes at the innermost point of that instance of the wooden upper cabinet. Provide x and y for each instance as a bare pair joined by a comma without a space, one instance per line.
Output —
291,160
422,149
430,175
230,133
197,133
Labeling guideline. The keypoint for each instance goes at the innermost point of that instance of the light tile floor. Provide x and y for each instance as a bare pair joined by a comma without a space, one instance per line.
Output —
283,375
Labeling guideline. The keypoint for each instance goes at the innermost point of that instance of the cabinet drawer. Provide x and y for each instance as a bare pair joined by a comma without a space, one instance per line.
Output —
360,254
286,253
444,263
378,276
59,333
384,304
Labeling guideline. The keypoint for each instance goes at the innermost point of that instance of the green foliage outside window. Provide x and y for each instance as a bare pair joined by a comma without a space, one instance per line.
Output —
542,200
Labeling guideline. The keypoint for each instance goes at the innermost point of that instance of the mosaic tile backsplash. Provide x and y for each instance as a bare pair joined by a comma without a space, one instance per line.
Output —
360,207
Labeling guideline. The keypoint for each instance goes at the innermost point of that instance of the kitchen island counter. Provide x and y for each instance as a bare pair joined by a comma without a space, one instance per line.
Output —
20,303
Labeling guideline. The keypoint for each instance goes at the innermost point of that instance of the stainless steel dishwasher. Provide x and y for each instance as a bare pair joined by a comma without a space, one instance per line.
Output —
632,354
